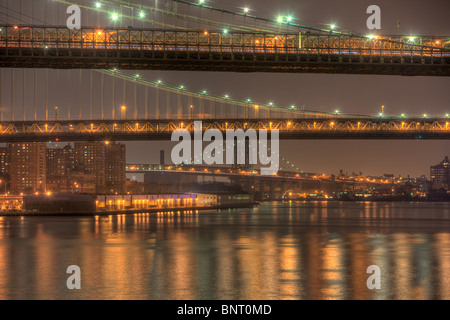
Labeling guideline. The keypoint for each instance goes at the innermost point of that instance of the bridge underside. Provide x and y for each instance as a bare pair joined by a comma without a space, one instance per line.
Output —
252,62
295,129
72,137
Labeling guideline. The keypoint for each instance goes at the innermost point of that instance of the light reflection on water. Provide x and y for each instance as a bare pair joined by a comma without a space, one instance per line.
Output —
276,251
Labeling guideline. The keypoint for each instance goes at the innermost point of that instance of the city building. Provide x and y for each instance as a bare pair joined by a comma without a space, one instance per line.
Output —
4,160
106,161
4,170
27,167
91,156
60,164
440,174
115,162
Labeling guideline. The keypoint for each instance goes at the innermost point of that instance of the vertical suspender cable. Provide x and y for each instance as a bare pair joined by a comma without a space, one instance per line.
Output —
157,104
12,94
102,95
114,98
168,108
23,93
1,104
146,104
92,94
69,96
35,95
57,87
180,111
135,101
46,96
80,94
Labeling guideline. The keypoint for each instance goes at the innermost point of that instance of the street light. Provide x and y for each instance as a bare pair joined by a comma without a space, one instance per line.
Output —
124,113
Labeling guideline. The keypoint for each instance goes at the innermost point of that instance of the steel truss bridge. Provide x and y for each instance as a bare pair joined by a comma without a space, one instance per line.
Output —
303,52
306,128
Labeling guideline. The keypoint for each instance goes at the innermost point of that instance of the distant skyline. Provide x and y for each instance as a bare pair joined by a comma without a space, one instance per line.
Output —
348,93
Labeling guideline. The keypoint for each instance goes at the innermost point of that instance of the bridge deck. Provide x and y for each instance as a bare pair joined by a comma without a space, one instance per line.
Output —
141,130
59,47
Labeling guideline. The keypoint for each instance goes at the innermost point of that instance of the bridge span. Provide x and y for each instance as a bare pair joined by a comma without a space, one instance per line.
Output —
194,50
299,128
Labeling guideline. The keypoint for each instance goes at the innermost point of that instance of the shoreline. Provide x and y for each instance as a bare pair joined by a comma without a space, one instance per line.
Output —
131,211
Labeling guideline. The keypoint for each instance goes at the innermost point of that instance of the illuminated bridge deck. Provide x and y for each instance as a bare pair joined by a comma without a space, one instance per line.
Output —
59,47
142,130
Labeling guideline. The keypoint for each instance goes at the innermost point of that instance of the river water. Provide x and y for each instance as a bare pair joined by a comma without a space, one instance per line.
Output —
292,250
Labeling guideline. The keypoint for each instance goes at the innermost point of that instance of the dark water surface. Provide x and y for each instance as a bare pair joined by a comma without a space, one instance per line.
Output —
275,251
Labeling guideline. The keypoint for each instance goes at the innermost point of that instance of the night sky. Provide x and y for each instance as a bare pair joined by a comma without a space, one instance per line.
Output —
348,93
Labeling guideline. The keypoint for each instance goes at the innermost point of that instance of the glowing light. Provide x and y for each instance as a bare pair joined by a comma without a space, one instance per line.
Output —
336,111
447,115
204,92
333,26
403,115
246,10
98,4
412,39
201,1
142,14
289,19
225,31
293,107
425,115
280,19
114,16
181,87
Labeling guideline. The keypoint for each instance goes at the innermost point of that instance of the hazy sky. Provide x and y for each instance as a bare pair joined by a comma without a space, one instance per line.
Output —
349,93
